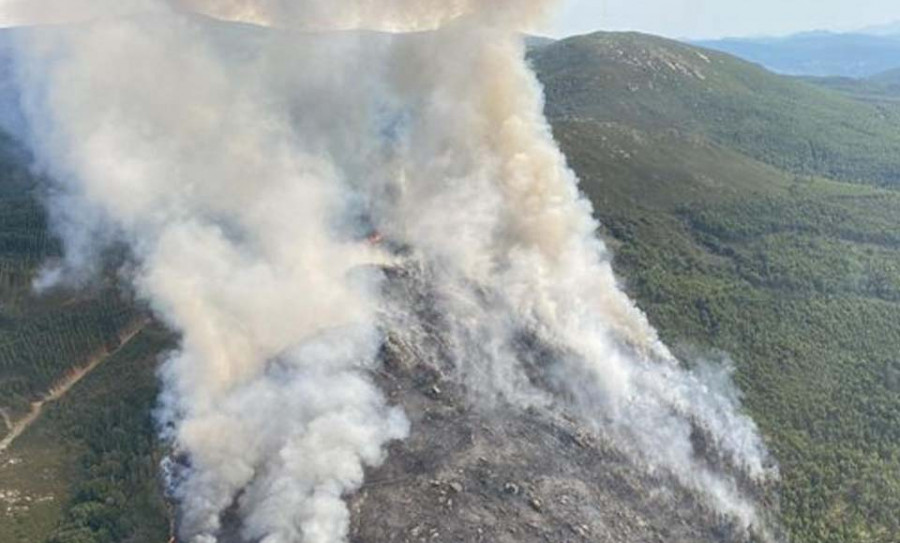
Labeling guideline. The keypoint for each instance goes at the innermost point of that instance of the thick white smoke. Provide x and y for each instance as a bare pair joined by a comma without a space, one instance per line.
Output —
245,168
487,197
239,232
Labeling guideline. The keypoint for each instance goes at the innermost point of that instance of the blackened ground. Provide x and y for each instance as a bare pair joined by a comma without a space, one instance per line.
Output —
504,474
472,473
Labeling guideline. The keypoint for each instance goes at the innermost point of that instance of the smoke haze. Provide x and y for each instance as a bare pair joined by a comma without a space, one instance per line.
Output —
246,167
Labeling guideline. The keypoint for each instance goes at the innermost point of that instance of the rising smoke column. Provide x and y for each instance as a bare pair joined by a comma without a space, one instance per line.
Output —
245,167
479,162
242,244
484,194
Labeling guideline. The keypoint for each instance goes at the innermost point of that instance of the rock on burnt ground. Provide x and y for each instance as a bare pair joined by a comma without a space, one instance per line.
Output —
471,473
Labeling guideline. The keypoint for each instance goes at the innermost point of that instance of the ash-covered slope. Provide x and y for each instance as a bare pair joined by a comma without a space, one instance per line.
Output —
504,475
495,473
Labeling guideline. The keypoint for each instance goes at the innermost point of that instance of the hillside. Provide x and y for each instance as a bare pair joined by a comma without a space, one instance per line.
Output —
753,217
656,84
90,452
882,89
818,53
890,78
793,274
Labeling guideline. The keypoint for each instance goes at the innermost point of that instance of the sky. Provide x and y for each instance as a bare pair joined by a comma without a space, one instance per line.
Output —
718,18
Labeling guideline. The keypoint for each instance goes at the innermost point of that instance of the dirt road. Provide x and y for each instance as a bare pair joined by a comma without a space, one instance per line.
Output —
17,428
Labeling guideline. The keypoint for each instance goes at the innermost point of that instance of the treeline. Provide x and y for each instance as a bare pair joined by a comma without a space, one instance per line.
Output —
803,289
115,494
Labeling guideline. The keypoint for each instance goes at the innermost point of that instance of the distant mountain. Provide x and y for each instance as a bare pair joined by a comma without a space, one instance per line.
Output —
889,29
819,53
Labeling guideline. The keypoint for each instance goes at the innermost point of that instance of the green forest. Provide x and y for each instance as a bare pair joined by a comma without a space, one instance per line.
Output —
86,471
756,215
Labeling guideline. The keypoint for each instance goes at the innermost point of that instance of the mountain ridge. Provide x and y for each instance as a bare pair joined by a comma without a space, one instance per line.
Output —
816,54
660,83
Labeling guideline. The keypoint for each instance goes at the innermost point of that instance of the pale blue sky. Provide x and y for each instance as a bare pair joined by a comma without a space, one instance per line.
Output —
716,18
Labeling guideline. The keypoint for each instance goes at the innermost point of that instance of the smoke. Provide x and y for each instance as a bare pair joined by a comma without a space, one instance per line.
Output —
245,167
51,12
241,234
487,198
385,15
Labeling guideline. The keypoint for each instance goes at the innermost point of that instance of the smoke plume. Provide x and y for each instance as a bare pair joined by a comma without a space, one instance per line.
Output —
246,166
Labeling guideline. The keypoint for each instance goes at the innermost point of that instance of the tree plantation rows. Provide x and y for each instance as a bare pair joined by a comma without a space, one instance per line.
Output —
35,353
98,438
115,494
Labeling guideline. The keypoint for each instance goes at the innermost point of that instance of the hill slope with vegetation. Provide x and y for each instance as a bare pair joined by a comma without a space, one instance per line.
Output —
652,83
755,215
882,90
83,466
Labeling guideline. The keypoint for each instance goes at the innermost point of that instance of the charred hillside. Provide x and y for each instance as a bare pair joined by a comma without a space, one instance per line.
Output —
472,471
